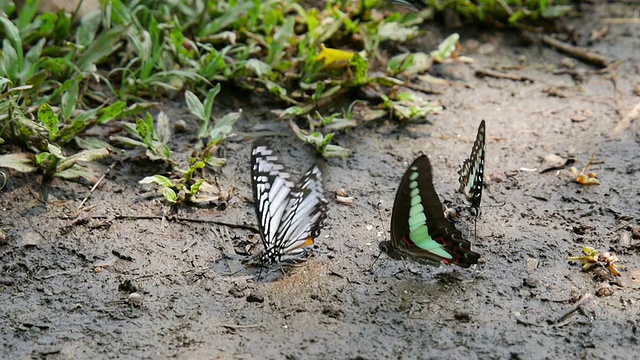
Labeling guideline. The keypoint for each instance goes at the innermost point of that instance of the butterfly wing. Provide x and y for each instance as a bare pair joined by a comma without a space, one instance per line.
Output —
472,172
415,5
271,192
419,230
305,214
289,217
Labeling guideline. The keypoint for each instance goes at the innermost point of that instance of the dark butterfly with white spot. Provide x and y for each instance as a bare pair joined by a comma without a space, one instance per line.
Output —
472,173
419,230
415,5
290,217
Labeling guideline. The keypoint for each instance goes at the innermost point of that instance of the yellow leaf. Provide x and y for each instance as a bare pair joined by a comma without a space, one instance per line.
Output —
334,58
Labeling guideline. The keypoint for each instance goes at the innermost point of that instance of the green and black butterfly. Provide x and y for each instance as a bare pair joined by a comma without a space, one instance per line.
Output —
472,173
419,230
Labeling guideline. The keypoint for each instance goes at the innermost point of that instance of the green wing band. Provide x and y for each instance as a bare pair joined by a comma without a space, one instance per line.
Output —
418,230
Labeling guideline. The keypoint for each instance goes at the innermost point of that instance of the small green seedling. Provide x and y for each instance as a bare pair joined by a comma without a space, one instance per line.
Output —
150,136
322,143
185,190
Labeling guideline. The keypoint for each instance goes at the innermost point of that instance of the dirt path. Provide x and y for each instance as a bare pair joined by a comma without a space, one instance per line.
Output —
65,285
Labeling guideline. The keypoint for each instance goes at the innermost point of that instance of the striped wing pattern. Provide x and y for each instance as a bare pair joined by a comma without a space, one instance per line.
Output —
290,217
472,172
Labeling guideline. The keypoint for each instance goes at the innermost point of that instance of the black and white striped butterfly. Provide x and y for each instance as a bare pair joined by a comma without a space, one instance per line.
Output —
472,173
290,217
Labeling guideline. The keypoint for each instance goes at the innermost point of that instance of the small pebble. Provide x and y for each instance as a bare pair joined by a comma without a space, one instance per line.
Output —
497,177
578,118
601,274
568,63
237,291
532,281
532,264
180,126
31,239
462,315
625,240
135,299
128,286
332,311
254,297
604,289
345,199
472,45
576,294
486,48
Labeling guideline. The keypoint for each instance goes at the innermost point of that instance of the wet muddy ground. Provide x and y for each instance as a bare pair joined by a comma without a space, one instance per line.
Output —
115,282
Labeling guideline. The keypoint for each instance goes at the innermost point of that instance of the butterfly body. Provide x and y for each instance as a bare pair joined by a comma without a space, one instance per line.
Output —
419,230
290,216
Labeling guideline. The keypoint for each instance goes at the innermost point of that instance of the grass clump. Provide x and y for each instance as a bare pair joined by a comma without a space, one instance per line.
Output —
527,14
61,76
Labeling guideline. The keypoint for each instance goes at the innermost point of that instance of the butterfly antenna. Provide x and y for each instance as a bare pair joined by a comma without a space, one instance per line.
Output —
497,205
380,217
260,273
383,231
262,260
374,261
281,268
475,230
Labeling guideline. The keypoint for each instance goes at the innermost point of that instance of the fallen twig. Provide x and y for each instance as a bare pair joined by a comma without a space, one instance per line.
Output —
528,323
189,246
179,219
626,121
566,317
619,21
234,326
610,68
95,187
599,34
421,88
501,75
67,272
576,52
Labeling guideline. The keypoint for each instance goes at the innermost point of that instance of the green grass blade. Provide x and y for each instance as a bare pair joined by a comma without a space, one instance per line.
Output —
227,18
27,14
102,47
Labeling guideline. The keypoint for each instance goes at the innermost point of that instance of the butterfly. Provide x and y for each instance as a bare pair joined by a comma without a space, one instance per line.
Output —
472,173
290,216
415,5
419,230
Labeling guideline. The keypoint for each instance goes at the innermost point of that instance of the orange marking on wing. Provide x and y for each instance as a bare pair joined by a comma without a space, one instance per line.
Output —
307,242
